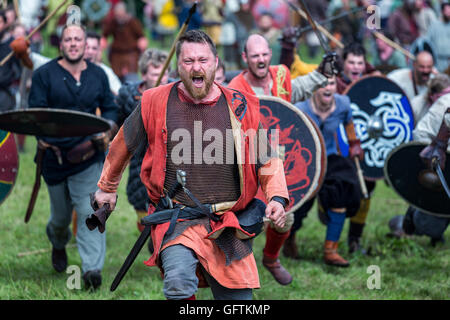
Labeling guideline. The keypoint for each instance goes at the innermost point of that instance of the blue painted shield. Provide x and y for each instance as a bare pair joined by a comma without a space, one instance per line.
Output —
379,100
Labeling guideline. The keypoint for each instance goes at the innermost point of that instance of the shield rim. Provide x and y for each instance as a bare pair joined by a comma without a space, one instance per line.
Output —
363,78
321,162
386,175
10,135
55,110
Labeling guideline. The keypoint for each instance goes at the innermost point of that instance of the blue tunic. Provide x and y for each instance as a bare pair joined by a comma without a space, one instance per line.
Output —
329,126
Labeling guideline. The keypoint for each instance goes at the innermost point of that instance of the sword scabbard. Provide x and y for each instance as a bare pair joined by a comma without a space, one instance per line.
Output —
37,182
145,234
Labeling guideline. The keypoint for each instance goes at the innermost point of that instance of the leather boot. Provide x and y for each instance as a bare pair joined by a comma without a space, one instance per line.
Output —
92,279
59,259
331,257
290,249
354,246
281,275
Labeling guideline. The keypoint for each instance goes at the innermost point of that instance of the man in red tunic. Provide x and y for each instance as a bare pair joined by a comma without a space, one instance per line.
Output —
261,78
220,172
128,43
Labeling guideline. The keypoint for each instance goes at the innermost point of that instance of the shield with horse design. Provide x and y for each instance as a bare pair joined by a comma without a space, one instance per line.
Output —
300,146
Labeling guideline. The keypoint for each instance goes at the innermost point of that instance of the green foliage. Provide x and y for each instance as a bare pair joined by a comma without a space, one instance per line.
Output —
410,267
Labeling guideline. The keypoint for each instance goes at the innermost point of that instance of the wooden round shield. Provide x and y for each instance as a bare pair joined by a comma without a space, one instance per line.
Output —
51,122
383,120
404,170
301,146
9,163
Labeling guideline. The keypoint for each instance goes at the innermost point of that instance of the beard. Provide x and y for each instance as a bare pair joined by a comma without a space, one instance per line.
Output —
324,103
422,77
197,93
254,72
72,60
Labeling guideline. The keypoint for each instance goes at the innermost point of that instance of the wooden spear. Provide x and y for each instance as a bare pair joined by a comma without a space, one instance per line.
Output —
394,45
172,50
16,8
319,27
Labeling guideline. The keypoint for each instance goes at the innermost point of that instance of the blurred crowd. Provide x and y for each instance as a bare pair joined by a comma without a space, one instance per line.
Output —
391,32
408,41
127,28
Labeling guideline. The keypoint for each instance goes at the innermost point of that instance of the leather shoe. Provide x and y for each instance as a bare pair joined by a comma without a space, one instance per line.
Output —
92,279
331,256
281,275
59,259
354,246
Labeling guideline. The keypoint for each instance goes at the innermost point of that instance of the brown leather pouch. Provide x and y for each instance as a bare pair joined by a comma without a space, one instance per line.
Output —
81,152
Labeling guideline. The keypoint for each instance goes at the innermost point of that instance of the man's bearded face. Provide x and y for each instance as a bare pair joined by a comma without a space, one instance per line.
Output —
73,43
258,58
197,68
423,67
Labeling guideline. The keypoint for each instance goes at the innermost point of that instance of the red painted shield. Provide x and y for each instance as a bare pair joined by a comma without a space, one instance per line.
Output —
301,146
9,163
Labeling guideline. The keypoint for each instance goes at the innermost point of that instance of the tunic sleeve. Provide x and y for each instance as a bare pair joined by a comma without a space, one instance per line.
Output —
38,92
304,86
130,138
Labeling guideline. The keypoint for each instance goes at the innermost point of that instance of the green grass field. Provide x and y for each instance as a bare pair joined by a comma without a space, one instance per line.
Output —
409,268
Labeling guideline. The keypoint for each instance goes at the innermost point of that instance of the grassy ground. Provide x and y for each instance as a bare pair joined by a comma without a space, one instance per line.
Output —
410,268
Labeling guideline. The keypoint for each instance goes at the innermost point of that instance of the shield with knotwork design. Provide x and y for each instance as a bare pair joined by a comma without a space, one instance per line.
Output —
417,184
9,163
301,146
383,120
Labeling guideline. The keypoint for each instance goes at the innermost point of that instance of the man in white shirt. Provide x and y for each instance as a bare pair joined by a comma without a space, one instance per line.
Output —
93,53
414,81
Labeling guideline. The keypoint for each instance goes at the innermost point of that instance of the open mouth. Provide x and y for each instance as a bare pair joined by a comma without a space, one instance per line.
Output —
198,81
261,66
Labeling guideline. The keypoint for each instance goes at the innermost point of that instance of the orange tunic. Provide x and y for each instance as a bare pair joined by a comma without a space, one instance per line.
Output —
239,273
281,82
